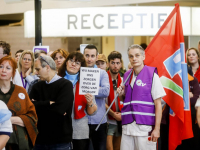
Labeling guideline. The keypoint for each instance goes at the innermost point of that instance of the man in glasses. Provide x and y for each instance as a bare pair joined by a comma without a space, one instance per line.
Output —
53,99
114,114
98,137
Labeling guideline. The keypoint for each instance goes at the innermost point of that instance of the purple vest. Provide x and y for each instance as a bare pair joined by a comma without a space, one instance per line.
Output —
139,104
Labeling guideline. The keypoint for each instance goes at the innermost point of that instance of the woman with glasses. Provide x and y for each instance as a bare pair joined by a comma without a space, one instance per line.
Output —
83,104
26,68
59,56
24,118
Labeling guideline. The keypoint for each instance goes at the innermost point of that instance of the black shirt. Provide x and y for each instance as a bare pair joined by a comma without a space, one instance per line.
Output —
54,127
6,96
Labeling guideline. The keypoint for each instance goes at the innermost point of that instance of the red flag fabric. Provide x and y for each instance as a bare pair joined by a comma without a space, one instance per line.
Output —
167,52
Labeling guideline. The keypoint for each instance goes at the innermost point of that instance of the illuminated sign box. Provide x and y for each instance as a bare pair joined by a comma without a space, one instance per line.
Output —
104,21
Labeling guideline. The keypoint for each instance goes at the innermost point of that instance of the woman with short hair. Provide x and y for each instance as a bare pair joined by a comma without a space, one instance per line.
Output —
24,118
83,104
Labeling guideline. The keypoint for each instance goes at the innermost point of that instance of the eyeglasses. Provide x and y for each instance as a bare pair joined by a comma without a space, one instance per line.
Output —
25,59
77,63
44,60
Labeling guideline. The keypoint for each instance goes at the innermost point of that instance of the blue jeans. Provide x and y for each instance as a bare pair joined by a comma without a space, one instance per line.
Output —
65,146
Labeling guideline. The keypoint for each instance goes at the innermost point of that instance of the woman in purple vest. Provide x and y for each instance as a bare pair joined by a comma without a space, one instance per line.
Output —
142,111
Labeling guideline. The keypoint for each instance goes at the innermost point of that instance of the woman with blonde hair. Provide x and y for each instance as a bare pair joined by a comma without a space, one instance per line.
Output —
26,68
59,56
192,55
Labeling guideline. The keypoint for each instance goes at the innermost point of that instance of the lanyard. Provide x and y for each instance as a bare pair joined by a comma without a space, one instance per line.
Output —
24,84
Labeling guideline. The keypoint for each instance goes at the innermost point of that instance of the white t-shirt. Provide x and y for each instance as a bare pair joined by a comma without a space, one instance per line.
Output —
17,79
197,102
157,91
5,126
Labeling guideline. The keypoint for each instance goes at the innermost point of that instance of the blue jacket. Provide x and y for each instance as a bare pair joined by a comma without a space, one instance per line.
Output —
104,89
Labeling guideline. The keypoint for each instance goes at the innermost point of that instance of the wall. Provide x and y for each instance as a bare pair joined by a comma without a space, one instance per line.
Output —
15,36
108,44
121,45
74,43
193,41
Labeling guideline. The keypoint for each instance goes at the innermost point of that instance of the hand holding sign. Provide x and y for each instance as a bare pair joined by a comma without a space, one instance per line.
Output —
89,98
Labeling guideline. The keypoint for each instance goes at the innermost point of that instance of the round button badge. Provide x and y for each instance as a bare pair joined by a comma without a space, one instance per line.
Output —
21,95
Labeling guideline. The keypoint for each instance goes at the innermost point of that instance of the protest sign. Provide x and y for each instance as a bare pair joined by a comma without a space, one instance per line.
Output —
89,80
44,48
82,47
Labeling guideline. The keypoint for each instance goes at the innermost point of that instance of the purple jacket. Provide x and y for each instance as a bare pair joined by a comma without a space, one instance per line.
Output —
139,104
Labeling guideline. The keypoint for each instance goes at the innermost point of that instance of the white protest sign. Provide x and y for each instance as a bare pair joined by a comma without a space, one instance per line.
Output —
89,81
82,47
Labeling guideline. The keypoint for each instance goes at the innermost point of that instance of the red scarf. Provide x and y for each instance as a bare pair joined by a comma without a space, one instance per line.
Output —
197,74
131,77
111,95
79,104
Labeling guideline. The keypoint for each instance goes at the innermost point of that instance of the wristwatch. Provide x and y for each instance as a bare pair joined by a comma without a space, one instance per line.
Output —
91,105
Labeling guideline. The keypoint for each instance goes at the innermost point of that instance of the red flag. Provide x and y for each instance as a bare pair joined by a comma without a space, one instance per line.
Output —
167,52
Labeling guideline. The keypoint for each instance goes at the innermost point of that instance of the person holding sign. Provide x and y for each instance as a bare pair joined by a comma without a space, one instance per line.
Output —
142,110
53,99
98,137
26,68
114,115
83,104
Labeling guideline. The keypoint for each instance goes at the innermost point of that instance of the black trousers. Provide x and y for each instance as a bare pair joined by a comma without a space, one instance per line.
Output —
98,137
82,144
164,134
188,144
192,143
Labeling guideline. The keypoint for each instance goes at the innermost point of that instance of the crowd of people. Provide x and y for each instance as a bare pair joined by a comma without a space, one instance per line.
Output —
41,108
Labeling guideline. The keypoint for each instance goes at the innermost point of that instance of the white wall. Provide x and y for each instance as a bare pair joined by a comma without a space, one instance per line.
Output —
121,45
193,41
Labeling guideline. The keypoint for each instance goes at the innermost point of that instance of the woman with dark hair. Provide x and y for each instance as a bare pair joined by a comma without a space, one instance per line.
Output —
24,118
83,104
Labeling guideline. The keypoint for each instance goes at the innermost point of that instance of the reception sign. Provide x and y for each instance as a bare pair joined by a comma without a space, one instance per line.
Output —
104,21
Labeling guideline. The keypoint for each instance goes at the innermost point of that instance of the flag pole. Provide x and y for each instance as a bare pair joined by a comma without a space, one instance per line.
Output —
113,101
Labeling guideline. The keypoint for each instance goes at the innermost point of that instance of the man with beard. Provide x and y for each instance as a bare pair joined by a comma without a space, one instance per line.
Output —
114,114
